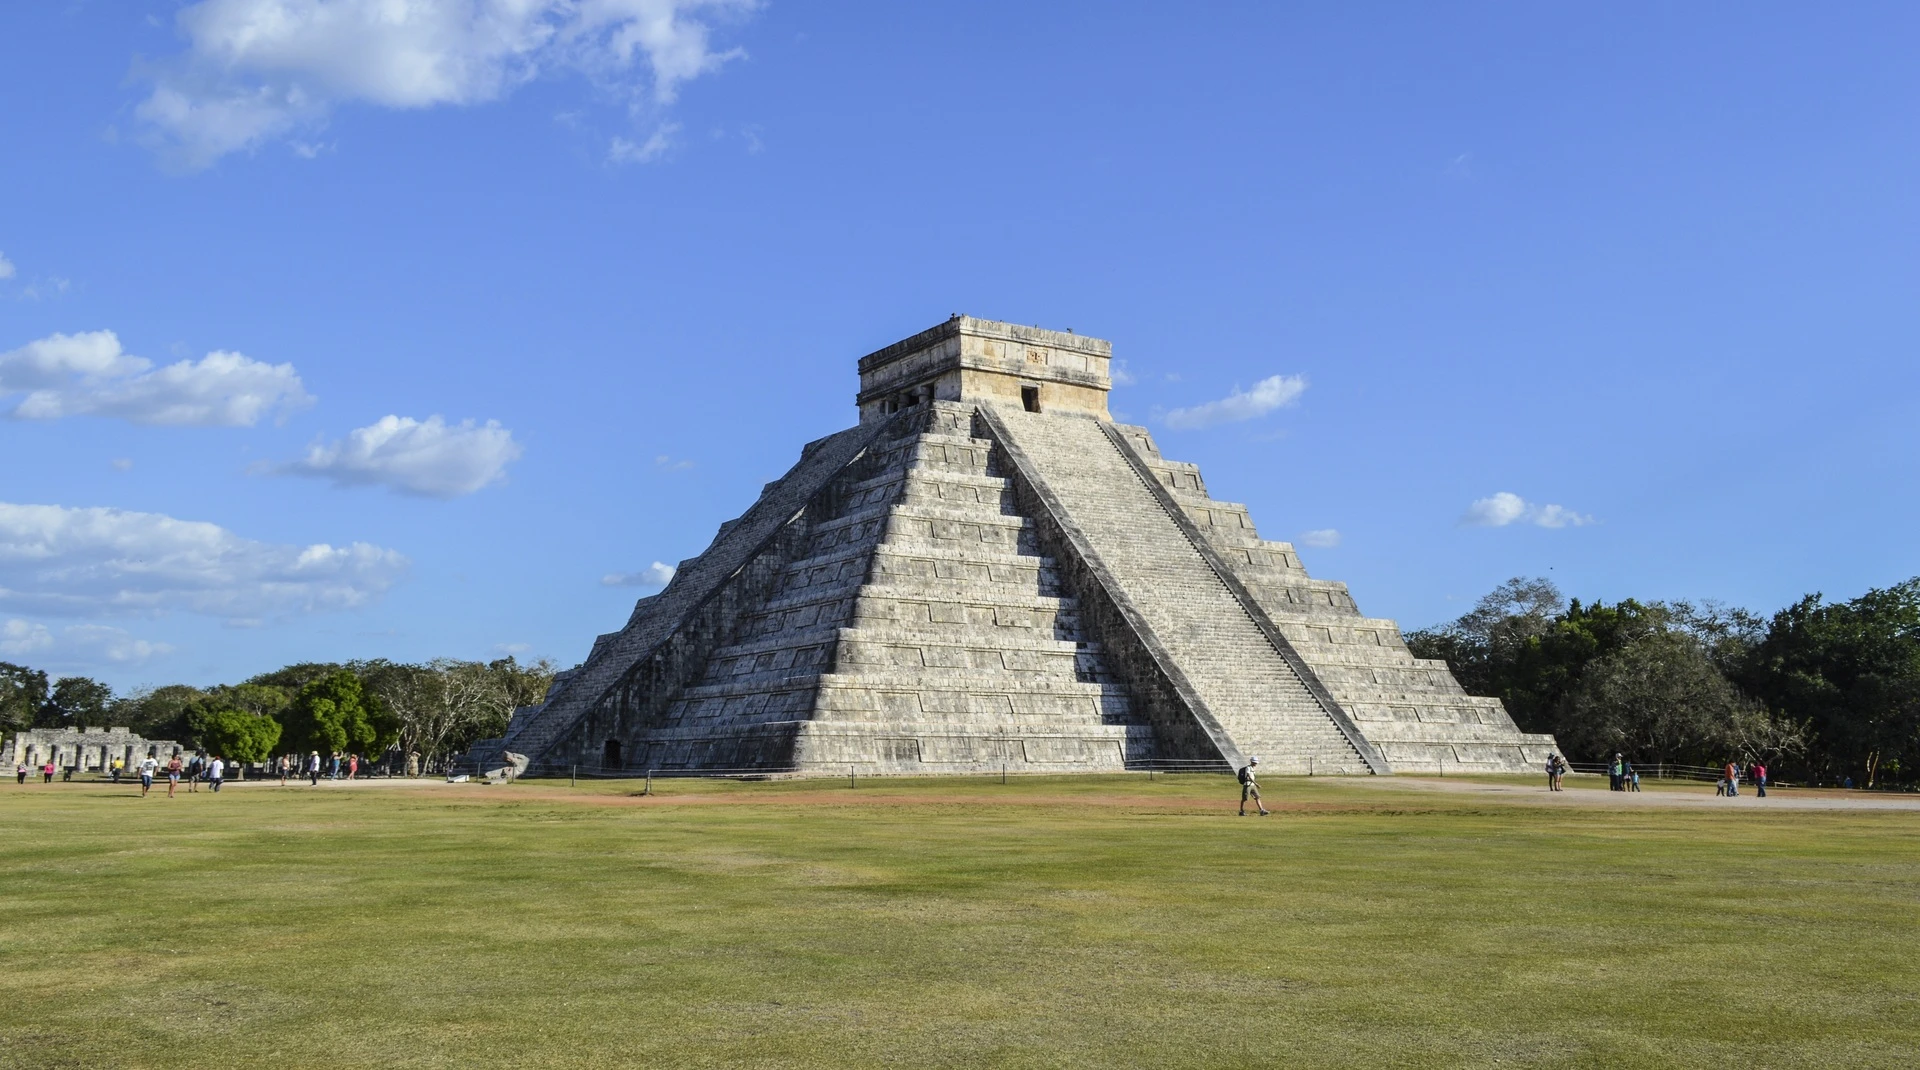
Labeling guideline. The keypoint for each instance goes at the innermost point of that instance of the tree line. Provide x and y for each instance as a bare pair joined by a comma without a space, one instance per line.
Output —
1821,691
373,708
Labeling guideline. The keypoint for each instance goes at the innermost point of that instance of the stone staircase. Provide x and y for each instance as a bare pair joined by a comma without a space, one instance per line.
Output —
1412,710
542,732
1248,686
918,630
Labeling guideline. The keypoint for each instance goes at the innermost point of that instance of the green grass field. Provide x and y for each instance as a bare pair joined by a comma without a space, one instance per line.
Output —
1059,922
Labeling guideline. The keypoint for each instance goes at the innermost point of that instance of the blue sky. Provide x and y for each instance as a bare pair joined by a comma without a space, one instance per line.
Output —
1625,296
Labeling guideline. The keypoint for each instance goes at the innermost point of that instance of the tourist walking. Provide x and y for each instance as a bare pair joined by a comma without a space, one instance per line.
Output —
1733,779
281,768
194,769
1553,764
147,768
46,772
353,766
216,772
1250,789
1616,771
1759,774
1629,780
313,769
173,774
20,770
334,772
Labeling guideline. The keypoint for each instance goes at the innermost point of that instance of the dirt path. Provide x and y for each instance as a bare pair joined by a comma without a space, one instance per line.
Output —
1690,796
1283,794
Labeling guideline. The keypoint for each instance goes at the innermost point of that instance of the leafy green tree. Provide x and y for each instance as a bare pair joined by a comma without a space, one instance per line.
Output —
234,734
157,713
261,700
294,677
76,702
23,692
1480,647
1527,646
336,712
1658,698
445,705
1851,672
1539,678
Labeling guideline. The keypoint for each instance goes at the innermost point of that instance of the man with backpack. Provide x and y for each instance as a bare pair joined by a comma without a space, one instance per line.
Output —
1249,789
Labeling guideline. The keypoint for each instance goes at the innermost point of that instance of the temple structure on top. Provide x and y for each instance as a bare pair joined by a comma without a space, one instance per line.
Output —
986,572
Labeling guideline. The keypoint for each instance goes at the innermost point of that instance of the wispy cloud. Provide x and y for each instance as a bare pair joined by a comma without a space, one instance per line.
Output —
256,70
1506,508
672,464
1324,538
658,574
430,457
89,374
75,644
621,150
6,267
90,561
1120,373
1267,395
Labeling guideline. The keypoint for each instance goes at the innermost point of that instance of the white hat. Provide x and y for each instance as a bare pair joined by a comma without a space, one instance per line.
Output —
1255,760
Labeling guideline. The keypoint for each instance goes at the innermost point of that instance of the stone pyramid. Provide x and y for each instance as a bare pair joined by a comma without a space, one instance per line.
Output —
988,573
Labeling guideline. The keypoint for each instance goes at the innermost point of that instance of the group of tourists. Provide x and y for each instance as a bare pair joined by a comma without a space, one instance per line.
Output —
214,768
1621,775
1729,786
338,766
211,768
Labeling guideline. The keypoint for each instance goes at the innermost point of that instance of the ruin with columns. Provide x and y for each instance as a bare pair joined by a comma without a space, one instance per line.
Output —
85,749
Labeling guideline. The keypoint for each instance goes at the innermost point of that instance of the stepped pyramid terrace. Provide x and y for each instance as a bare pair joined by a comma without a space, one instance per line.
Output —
987,572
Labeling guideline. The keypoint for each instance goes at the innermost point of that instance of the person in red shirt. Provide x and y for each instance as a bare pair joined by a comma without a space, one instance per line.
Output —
1759,774
1733,779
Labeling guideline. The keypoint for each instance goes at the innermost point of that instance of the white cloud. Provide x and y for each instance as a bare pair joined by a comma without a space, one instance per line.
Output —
671,464
6,267
1496,512
1117,370
21,639
76,644
1325,538
1507,508
1558,516
429,458
83,644
89,374
655,575
89,561
623,151
258,69
1267,395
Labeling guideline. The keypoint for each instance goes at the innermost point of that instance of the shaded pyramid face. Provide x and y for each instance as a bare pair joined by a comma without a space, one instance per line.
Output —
963,584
